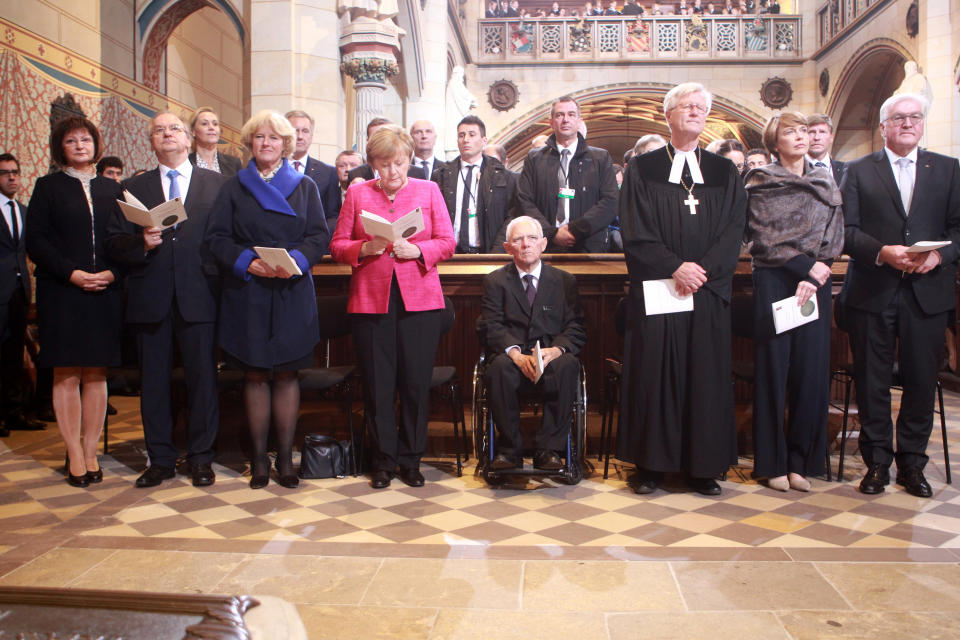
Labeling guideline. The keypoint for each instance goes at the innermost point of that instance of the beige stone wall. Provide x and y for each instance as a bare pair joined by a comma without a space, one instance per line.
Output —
205,64
101,30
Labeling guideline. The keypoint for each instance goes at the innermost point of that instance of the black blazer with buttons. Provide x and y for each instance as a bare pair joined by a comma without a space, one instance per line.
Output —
182,265
328,184
496,189
874,217
13,259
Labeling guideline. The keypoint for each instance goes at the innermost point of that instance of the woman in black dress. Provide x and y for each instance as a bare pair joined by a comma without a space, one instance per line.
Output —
268,317
79,304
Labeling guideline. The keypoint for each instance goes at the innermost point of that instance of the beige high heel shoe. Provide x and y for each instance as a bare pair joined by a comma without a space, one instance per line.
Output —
779,483
798,482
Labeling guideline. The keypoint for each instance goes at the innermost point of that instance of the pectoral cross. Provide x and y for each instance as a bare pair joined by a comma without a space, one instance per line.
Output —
692,203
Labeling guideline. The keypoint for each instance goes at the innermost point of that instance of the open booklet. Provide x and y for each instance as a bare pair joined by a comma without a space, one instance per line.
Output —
278,257
660,296
538,356
927,245
164,215
405,227
787,314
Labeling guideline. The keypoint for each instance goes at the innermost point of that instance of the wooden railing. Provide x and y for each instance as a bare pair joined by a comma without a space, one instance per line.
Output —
837,17
614,39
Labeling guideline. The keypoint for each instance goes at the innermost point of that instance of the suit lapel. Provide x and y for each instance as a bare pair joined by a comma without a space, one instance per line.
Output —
922,181
885,174
515,285
153,186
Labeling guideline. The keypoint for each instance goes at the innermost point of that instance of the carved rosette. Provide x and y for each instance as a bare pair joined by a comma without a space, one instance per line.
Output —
776,93
369,66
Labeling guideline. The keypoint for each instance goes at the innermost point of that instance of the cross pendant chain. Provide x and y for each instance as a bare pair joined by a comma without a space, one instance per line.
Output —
691,202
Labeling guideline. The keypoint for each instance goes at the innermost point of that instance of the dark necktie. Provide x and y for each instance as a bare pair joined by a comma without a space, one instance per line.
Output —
563,178
531,289
297,164
465,210
14,227
821,164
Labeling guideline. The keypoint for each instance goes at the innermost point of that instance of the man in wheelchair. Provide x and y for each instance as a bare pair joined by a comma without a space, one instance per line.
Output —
526,302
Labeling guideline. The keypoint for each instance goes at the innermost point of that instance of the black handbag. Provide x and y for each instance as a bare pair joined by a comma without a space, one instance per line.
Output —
325,457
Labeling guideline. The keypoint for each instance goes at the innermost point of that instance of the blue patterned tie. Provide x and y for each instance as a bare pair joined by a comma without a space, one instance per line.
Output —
174,184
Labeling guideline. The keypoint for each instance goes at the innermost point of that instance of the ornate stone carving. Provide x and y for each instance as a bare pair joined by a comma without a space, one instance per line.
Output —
776,93
503,95
368,67
913,19
824,83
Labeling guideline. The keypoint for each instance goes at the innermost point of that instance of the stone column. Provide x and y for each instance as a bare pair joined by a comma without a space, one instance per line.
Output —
937,56
370,48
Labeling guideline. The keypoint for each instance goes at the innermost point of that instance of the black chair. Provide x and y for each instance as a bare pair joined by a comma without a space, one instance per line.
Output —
339,380
446,381
844,375
609,404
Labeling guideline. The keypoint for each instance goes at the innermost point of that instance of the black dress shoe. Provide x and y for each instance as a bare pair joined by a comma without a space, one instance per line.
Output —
154,475
411,477
381,479
878,477
202,474
547,460
502,462
705,486
913,481
642,484
111,410
19,422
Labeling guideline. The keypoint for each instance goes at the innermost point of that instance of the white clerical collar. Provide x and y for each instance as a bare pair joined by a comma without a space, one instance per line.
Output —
690,159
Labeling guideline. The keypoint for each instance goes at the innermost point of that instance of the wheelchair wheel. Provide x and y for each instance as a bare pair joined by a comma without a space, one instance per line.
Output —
573,474
493,478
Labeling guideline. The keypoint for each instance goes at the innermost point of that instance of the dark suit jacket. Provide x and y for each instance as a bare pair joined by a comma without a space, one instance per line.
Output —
328,184
366,172
181,265
229,165
496,192
13,260
838,168
506,319
593,208
874,217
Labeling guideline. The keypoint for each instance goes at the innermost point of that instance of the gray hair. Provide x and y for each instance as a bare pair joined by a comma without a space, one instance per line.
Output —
672,99
298,113
645,141
520,219
896,99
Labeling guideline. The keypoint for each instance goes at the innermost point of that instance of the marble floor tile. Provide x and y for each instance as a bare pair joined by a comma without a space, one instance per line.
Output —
489,584
895,586
160,571
485,624
328,622
742,625
599,586
56,568
869,625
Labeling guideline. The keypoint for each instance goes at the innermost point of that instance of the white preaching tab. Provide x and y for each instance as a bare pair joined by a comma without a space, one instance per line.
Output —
660,296
927,245
787,314
676,170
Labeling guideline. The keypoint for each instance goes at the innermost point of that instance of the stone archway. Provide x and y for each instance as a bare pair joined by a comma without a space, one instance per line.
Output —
869,78
617,115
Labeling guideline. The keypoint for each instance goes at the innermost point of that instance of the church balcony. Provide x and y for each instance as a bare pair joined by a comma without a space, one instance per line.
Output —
839,18
655,39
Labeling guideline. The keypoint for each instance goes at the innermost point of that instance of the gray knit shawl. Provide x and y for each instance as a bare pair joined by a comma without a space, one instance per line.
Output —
789,215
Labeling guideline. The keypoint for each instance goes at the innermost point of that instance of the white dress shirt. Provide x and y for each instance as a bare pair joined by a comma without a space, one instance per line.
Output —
301,161
474,186
893,157
5,206
566,201
183,180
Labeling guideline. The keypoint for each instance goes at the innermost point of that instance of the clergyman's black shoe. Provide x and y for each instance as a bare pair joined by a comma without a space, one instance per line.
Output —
705,486
877,477
202,474
913,481
19,422
642,484
154,475
381,479
503,462
547,460
411,477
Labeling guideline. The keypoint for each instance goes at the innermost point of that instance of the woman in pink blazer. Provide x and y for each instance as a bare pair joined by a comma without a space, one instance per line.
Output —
395,301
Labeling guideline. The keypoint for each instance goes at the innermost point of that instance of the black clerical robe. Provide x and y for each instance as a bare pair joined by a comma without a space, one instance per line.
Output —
677,399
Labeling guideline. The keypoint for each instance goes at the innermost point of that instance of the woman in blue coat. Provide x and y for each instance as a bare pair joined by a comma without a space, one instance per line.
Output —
268,317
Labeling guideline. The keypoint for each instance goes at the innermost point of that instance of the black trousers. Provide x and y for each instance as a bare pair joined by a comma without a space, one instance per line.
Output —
874,339
396,351
792,370
557,388
13,330
156,342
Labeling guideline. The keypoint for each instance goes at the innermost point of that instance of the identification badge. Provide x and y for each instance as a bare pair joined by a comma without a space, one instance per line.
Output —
567,192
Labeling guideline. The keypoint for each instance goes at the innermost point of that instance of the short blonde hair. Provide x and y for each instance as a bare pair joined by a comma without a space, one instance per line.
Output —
280,125
772,129
387,141
672,99
196,116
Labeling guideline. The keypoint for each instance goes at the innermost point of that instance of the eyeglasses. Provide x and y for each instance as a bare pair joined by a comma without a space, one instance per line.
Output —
691,106
900,118
9,172
173,129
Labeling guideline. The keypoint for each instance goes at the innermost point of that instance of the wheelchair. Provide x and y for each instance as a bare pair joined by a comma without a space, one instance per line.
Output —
484,435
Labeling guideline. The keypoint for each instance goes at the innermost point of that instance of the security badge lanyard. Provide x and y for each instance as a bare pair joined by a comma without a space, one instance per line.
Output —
565,190
471,194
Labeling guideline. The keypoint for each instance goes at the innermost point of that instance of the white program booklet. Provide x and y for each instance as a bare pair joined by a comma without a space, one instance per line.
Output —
787,314
927,245
164,215
660,296
538,356
406,227
278,257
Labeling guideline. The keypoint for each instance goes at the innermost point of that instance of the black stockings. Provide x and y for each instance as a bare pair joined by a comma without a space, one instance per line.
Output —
279,399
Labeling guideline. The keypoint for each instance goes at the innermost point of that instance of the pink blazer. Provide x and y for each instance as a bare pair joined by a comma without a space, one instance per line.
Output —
418,279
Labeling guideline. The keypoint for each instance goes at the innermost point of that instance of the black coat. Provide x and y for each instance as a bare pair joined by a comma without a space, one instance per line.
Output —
838,168
77,328
496,191
328,184
13,260
506,318
874,216
229,165
593,208
181,266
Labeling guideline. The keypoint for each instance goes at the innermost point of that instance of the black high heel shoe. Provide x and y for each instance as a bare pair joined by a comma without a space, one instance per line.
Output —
287,480
94,477
80,481
262,479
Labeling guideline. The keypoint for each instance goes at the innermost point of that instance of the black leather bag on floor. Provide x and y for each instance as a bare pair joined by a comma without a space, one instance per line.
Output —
325,457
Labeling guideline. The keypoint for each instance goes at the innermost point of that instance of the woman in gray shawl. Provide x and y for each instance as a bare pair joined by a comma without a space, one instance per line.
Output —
795,220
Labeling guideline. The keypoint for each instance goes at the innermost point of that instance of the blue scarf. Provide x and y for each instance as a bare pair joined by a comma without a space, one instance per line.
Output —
272,195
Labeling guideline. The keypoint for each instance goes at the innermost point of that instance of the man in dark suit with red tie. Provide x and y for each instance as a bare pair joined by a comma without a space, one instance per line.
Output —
14,299
172,295
895,301
525,302
325,176
477,190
